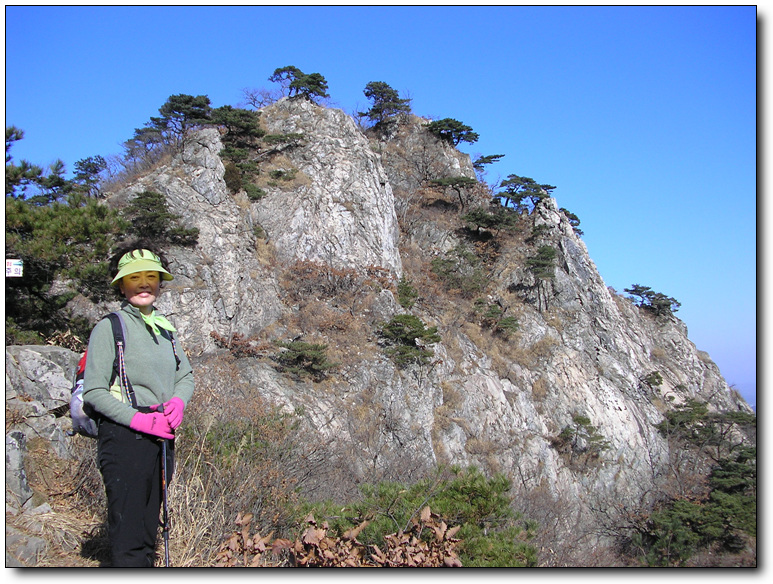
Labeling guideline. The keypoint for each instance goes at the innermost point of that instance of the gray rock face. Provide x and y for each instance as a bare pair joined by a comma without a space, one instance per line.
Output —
37,389
344,214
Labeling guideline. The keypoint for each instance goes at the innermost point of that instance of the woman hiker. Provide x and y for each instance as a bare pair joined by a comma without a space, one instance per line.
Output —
129,444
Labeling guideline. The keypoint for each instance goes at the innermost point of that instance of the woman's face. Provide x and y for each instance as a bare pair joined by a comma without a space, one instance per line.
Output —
141,289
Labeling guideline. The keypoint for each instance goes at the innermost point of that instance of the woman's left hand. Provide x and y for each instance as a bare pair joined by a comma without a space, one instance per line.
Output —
173,410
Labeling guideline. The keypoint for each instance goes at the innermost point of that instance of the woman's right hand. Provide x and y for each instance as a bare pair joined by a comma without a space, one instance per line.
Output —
153,423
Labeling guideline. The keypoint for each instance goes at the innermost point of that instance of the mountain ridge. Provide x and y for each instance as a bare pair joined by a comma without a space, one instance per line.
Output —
573,332
320,258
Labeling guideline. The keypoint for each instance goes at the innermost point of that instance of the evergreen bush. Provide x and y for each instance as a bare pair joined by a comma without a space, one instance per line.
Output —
304,359
407,337
406,293
491,534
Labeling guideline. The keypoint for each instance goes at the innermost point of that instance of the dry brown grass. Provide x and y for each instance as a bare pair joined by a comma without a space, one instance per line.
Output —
452,400
281,173
237,454
334,306
73,529
530,357
540,389
130,172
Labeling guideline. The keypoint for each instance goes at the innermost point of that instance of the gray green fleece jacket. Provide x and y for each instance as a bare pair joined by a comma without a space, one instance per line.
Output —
150,365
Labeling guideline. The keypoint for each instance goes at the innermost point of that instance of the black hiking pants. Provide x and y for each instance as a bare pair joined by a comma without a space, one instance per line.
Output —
130,464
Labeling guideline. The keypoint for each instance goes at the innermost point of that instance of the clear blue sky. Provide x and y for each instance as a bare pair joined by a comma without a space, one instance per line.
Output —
644,118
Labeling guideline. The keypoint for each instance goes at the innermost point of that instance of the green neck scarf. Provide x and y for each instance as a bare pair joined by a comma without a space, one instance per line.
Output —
154,321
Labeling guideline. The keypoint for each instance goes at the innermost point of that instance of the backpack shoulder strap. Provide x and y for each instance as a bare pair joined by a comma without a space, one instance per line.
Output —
170,335
118,339
119,364
118,327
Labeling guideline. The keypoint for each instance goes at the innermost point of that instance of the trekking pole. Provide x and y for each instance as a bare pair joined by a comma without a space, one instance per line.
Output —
166,510
165,525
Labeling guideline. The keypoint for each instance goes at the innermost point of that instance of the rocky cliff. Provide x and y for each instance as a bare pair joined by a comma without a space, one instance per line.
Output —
319,258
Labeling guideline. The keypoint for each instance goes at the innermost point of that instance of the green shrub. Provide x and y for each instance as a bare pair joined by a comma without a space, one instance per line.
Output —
656,302
543,263
581,442
685,421
281,174
725,519
292,139
305,359
495,219
452,131
254,193
493,317
538,231
406,294
491,534
151,219
653,379
69,242
232,177
407,336
184,236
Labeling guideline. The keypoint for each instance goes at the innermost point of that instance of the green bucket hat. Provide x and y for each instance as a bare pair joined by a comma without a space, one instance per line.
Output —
140,260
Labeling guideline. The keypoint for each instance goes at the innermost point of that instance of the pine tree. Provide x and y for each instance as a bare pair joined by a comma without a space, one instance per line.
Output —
452,131
18,177
180,114
387,103
296,83
151,219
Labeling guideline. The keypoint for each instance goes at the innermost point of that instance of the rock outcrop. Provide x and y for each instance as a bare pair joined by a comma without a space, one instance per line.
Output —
343,214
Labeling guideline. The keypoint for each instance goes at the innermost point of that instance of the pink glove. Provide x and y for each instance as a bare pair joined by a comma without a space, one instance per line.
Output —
173,410
154,424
